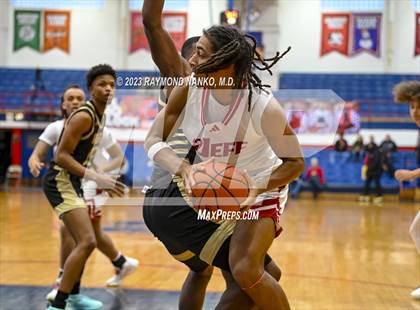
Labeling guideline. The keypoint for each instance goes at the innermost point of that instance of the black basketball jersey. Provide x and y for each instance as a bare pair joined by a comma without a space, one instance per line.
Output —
85,149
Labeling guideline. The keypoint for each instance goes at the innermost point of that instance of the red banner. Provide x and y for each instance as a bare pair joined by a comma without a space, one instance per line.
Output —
335,33
174,22
417,47
57,30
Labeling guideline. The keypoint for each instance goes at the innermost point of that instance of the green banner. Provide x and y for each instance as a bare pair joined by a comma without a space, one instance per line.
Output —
27,29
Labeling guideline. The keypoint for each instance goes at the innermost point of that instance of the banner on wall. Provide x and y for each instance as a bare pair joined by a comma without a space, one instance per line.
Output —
57,30
174,22
417,46
335,33
27,29
366,33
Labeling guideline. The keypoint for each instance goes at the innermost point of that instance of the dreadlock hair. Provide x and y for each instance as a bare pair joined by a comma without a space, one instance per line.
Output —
98,70
63,112
230,46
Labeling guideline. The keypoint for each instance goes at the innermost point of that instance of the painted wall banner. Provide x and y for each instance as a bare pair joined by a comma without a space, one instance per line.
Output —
174,22
417,46
27,29
57,30
335,33
366,34
138,39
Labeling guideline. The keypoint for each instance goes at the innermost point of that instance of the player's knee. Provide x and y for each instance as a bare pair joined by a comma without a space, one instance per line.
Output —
245,271
88,243
206,273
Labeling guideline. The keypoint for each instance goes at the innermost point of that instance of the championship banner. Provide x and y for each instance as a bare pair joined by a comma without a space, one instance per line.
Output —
57,30
174,22
335,33
27,29
138,39
417,46
366,33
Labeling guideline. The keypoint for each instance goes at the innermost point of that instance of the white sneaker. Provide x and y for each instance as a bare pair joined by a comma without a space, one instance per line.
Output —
129,267
416,293
51,295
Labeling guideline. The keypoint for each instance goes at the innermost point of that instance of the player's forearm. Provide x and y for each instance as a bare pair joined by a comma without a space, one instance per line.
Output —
113,164
68,163
152,12
290,170
416,173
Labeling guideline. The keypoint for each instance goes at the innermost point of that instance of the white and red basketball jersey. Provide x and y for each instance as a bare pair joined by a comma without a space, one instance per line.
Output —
212,129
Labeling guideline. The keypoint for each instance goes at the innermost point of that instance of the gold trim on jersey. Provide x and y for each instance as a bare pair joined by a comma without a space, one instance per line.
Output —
70,198
216,240
184,256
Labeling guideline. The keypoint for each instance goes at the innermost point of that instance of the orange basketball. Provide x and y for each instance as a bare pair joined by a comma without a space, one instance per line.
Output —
219,186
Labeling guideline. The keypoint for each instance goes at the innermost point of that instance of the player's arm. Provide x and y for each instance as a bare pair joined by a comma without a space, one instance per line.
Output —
285,145
117,158
36,160
164,52
166,123
407,175
76,127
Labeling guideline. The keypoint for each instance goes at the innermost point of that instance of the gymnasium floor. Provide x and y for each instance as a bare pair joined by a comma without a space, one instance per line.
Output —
334,254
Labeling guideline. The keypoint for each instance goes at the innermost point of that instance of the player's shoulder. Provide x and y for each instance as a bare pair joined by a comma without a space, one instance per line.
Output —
56,125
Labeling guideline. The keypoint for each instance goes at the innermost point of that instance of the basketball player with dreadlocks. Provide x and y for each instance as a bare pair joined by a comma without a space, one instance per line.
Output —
171,64
62,183
237,247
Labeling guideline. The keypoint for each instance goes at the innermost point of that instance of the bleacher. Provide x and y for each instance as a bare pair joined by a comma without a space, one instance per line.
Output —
372,91
16,87
343,173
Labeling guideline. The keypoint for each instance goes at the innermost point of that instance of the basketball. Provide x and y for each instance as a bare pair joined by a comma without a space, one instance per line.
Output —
219,186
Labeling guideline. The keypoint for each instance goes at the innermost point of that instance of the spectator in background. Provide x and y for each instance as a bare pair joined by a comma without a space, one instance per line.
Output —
373,164
341,144
357,148
371,146
315,177
387,148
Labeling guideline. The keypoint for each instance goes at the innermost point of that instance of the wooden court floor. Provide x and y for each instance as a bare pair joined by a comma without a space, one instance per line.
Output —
334,254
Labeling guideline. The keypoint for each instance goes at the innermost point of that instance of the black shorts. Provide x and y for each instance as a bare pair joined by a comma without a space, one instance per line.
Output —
62,190
196,243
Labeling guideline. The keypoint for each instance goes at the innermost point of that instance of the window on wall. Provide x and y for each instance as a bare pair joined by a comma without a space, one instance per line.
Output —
173,5
352,5
416,5
58,4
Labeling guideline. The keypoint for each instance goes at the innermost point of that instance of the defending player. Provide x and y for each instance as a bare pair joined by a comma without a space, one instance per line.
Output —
63,188
410,92
271,151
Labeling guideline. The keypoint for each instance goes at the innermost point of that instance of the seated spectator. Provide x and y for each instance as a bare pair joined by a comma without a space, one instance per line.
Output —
357,148
388,145
371,146
315,177
341,144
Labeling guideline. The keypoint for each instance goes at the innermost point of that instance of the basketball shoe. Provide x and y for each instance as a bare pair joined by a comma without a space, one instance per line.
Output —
129,267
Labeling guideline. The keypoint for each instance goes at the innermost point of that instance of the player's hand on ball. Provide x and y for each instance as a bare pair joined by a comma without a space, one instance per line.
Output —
187,174
404,175
253,193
